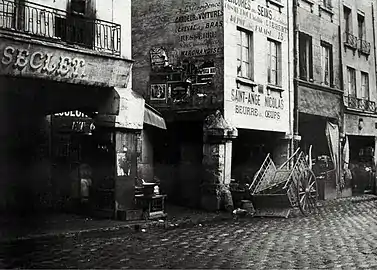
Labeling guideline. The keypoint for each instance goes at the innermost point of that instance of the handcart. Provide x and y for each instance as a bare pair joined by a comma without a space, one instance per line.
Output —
292,185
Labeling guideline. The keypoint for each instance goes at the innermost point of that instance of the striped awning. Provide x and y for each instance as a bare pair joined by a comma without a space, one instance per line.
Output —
153,117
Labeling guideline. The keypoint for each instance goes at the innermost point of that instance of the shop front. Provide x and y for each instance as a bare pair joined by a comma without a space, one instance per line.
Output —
319,126
359,152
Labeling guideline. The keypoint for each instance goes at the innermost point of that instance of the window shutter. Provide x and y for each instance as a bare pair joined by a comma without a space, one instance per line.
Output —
310,60
269,62
331,68
302,53
279,64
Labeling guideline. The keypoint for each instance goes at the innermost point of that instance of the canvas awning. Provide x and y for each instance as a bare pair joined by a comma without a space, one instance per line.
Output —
153,117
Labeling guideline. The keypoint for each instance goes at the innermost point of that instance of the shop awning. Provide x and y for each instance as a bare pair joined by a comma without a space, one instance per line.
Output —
153,117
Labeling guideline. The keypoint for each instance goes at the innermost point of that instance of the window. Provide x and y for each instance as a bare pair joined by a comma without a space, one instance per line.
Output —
327,4
306,57
347,20
78,6
361,26
326,63
351,78
274,62
244,54
364,85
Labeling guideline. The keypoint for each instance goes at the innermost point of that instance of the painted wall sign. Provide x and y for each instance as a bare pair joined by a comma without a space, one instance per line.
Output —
33,60
257,18
199,28
254,103
38,61
73,121
72,114
261,111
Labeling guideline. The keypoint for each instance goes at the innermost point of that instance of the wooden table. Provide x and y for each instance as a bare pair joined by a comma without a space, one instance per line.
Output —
153,206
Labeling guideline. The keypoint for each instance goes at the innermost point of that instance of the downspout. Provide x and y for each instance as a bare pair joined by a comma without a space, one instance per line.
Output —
342,108
295,76
374,40
341,72
290,152
375,73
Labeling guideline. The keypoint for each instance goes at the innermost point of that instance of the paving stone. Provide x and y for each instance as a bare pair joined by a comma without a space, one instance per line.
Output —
343,235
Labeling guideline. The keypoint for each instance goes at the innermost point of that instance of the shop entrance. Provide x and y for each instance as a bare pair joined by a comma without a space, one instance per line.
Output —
248,153
361,164
313,133
83,164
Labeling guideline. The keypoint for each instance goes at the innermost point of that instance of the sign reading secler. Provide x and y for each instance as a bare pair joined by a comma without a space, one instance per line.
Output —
32,59
43,62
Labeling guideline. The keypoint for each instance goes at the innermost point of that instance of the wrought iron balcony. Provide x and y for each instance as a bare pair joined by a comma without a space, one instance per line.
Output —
350,40
59,25
364,46
360,104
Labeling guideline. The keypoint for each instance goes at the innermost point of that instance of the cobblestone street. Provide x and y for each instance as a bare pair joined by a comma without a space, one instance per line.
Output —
343,235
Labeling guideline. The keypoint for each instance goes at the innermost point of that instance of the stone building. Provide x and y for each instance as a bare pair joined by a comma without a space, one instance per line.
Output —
318,84
59,56
358,52
219,72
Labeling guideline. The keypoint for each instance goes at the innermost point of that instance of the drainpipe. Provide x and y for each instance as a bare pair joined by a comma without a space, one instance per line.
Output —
375,73
290,152
374,40
295,76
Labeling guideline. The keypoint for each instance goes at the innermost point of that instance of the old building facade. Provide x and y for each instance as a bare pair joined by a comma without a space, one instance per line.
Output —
319,88
56,57
194,58
359,69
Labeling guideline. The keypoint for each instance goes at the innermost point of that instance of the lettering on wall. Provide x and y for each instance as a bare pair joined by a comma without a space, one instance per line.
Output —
48,63
256,104
258,18
199,29
73,121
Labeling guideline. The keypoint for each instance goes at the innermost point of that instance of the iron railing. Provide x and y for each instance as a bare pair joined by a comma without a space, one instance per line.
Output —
55,24
364,46
350,40
360,104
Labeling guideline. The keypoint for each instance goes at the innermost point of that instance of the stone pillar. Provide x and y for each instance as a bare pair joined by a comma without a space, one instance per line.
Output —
217,156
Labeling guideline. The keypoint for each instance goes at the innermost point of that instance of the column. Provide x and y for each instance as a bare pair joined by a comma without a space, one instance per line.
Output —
217,156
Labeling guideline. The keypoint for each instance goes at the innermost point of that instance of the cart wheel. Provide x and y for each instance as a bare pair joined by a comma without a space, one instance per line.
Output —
307,192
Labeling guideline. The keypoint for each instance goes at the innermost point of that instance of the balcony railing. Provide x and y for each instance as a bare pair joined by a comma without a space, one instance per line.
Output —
350,40
55,24
364,46
360,104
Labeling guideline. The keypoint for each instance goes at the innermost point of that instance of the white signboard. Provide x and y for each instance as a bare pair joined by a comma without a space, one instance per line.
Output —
247,109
